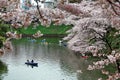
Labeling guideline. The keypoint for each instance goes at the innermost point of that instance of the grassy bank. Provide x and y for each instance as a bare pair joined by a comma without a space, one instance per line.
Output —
39,40
53,29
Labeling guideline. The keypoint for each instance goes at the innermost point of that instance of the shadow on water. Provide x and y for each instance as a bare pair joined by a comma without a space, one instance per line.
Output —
32,66
3,70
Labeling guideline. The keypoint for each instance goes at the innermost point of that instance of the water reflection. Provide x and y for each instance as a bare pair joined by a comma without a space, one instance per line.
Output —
55,63
32,66
3,70
31,63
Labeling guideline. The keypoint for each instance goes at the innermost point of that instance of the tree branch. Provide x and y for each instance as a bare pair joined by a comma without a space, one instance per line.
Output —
114,5
104,39
115,10
39,10
110,2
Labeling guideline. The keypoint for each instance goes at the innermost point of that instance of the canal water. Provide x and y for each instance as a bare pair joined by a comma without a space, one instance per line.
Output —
54,63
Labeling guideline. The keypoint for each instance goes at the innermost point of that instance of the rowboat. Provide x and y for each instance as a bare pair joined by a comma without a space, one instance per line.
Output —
32,64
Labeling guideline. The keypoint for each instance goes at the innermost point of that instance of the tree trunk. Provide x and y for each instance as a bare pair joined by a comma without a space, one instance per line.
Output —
118,65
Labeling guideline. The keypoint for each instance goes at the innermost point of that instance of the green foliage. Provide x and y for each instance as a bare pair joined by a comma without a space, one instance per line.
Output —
111,68
92,41
3,29
2,39
110,38
3,69
53,29
116,42
1,43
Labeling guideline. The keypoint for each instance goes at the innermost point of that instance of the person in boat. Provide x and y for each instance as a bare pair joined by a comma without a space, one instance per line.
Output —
32,61
28,61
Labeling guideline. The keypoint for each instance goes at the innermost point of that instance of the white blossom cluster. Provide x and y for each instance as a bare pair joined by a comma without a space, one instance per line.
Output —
92,23
105,62
13,35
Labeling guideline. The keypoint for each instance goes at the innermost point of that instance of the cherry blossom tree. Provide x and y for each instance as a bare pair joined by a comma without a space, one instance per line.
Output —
96,27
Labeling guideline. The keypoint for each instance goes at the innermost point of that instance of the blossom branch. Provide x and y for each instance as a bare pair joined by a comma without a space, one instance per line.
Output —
39,9
113,5
104,39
